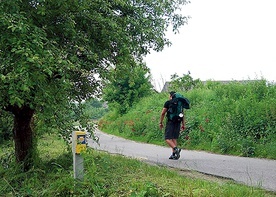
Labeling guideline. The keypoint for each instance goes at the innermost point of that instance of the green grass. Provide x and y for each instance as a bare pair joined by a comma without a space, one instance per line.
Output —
107,175
236,119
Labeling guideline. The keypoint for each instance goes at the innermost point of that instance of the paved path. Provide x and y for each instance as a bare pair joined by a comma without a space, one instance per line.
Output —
249,171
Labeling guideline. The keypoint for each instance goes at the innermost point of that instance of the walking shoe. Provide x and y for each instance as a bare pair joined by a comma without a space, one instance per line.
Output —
172,157
177,153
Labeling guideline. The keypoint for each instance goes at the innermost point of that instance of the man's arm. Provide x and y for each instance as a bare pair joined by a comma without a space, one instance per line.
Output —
163,113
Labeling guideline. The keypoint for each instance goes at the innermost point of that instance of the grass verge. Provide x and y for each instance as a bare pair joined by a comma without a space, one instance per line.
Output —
108,175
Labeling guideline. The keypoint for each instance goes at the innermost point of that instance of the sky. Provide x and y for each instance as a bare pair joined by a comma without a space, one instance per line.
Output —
223,40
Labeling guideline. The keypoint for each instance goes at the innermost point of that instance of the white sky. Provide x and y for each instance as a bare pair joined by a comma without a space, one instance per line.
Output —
224,40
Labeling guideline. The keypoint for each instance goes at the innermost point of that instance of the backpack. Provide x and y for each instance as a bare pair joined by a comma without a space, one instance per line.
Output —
176,106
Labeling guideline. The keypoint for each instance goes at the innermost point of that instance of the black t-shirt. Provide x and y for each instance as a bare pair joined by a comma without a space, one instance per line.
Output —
167,106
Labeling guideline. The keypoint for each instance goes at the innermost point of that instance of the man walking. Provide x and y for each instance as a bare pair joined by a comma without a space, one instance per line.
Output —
172,129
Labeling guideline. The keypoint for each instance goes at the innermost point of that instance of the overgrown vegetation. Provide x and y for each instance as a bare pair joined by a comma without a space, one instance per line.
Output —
105,175
234,118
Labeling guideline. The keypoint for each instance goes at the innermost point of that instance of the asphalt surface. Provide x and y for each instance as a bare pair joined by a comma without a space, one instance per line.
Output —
249,171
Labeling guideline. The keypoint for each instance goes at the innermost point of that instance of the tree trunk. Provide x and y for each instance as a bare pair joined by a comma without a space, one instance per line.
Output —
23,135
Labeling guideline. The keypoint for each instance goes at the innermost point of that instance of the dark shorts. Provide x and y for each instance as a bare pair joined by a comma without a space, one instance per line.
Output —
172,130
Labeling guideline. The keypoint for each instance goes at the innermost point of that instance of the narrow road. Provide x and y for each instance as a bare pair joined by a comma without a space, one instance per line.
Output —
249,171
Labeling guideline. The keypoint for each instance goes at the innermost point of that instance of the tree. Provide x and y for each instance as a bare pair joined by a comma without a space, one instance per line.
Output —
95,109
184,83
125,86
55,53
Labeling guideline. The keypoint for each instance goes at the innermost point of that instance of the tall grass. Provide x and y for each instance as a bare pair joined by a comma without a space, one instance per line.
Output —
106,175
235,118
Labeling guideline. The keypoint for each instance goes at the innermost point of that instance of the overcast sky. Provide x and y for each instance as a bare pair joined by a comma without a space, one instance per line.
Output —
224,40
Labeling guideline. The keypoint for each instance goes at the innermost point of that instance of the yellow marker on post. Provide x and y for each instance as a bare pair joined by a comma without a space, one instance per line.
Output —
78,146
81,141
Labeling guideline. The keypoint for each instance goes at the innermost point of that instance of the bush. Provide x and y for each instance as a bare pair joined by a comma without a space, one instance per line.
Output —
6,125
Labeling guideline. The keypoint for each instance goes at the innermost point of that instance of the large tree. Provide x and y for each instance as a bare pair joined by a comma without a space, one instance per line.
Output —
53,53
125,86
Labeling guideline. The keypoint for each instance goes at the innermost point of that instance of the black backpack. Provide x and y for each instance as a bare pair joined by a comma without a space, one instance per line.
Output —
176,106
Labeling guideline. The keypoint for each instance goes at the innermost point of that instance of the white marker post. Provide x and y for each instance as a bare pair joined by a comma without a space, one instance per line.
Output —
78,145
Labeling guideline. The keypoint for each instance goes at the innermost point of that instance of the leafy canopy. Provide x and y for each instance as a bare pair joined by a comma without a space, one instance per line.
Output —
184,83
55,52
125,86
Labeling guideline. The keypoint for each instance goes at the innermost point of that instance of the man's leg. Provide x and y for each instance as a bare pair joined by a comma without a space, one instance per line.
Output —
174,141
176,133
175,151
171,140
169,134
171,143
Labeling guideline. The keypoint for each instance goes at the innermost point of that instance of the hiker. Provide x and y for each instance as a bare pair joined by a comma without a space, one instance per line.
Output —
172,129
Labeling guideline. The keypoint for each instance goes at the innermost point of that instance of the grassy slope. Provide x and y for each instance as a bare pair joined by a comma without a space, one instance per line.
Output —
236,119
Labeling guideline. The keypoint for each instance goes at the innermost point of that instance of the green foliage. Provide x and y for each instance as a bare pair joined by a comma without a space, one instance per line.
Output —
105,175
55,54
5,126
184,83
140,122
94,109
235,118
126,86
